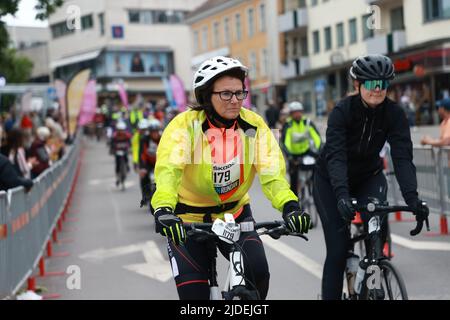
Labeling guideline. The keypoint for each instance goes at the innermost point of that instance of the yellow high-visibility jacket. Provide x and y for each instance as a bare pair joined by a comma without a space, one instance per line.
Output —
297,136
184,172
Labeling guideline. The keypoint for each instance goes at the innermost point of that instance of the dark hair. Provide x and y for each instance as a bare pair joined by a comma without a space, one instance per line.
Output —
206,91
16,139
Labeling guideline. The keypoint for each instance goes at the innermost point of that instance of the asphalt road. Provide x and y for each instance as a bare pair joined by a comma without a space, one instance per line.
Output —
114,252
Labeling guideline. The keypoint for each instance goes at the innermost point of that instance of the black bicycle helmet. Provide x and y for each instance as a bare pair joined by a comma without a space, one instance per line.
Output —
372,67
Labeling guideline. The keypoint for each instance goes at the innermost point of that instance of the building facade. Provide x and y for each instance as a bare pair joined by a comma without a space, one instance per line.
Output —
245,30
323,37
32,43
138,42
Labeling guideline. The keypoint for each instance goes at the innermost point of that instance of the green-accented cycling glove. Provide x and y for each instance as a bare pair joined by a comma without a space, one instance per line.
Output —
296,219
170,225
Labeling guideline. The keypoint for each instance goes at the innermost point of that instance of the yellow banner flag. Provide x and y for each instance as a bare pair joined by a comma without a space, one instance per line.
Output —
75,93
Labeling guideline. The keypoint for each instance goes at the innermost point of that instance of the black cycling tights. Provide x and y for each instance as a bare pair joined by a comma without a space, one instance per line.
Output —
191,264
336,234
118,163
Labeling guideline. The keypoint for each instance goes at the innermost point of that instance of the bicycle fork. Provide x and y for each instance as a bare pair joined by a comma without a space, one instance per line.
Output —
235,278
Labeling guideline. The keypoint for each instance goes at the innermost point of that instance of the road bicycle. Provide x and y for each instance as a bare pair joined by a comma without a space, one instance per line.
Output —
148,190
237,285
123,168
305,165
374,277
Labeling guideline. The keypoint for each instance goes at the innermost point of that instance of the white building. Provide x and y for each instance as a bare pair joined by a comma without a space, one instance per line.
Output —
139,42
246,30
32,42
323,37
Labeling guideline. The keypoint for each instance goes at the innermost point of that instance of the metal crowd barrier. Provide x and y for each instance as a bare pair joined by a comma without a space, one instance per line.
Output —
27,220
433,181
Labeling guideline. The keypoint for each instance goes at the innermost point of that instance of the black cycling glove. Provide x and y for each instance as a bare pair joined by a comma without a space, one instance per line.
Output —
170,225
296,219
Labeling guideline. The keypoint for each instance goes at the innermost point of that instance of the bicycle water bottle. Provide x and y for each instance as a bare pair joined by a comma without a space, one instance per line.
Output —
360,275
351,271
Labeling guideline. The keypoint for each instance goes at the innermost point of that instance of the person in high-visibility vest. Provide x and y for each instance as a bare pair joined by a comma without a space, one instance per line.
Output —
136,115
299,138
206,163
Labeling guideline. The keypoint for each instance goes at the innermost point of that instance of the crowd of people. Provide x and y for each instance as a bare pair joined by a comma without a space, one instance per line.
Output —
134,131
30,143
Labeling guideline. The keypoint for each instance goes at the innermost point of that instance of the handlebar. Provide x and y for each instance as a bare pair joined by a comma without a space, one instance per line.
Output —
274,229
374,206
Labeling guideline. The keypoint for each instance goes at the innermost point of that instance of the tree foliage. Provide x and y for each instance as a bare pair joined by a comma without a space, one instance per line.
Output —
15,68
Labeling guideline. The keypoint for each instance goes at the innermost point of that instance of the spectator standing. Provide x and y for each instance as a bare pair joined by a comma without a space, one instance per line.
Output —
16,141
9,178
40,151
444,138
272,115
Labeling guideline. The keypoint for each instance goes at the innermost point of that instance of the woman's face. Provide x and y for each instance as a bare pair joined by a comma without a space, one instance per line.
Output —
373,97
227,109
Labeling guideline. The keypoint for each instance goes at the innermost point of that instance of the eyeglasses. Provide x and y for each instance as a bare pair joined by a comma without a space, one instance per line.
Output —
373,84
228,95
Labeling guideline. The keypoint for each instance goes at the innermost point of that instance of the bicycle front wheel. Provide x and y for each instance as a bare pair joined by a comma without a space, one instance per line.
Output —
392,284
123,173
307,202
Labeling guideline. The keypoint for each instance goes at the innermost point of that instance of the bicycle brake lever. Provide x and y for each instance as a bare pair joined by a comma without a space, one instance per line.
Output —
417,229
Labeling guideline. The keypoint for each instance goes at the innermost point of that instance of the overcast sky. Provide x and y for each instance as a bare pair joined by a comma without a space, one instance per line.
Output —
25,16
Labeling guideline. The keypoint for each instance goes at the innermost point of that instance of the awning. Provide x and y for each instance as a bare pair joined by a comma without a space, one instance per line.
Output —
75,59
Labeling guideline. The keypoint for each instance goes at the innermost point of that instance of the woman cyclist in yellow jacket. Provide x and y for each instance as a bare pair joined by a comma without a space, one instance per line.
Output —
206,162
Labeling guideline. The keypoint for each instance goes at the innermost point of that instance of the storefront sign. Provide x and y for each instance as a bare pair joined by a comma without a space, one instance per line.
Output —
117,32
135,64
403,65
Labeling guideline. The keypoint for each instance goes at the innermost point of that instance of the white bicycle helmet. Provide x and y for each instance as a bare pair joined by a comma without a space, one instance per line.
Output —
121,125
143,124
210,69
154,124
296,106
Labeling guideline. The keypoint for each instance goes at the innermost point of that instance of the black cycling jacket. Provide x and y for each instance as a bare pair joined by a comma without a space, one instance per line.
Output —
355,136
9,178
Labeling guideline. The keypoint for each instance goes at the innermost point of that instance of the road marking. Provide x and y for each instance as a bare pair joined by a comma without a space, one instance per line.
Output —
116,211
155,267
295,256
101,254
110,181
95,182
420,245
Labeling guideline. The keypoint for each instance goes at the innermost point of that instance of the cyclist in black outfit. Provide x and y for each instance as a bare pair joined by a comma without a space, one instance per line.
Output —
349,165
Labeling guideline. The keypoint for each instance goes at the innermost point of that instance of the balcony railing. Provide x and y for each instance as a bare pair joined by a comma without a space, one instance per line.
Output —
295,67
292,20
387,43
